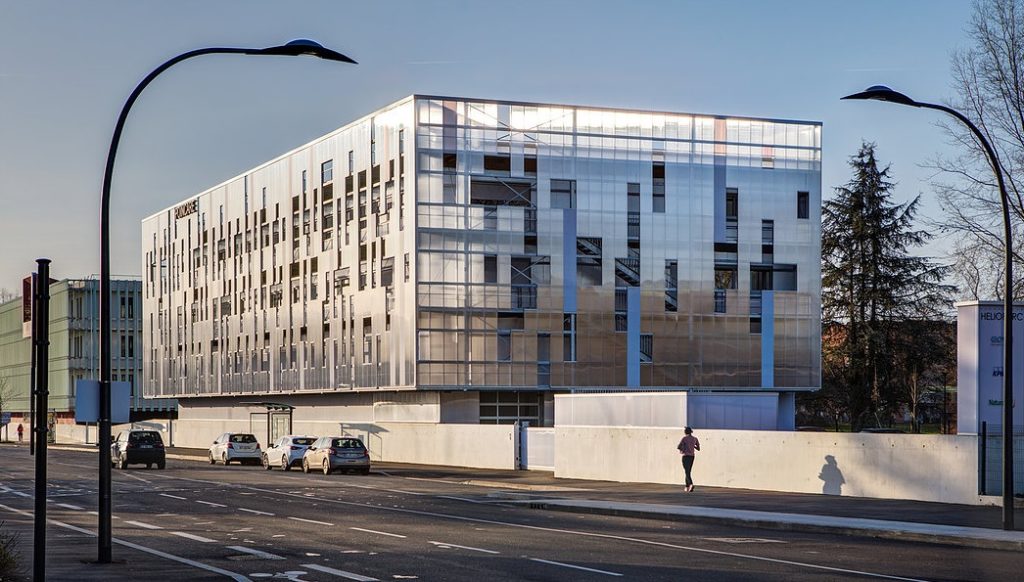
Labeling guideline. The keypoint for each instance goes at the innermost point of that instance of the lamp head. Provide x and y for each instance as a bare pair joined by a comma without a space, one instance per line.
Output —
883,93
304,46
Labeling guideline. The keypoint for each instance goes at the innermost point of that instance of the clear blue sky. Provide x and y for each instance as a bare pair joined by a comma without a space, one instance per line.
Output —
67,67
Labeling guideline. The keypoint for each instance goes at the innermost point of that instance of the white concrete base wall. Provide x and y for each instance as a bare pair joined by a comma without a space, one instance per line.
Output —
485,446
923,467
80,434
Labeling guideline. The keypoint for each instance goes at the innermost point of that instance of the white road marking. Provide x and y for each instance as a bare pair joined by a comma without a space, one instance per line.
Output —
192,537
566,531
173,496
256,512
444,545
383,533
594,570
69,506
20,493
234,576
745,540
143,525
211,504
478,502
342,573
310,521
255,552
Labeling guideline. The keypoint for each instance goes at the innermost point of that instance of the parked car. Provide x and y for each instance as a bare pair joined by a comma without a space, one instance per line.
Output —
333,453
287,452
235,446
136,447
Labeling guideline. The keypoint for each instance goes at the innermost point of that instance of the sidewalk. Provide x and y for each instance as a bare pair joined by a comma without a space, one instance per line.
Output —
963,525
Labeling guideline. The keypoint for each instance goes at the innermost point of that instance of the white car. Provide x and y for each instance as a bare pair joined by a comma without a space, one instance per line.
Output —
235,446
287,452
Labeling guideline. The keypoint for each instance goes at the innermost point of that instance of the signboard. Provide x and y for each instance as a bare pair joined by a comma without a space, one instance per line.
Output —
26,305
87,401
5,418
187,208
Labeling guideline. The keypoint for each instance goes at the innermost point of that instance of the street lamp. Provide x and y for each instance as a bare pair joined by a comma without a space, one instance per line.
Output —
294,48
883,93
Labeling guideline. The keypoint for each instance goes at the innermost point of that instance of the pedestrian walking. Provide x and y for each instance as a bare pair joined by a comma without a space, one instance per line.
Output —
688,447
21,432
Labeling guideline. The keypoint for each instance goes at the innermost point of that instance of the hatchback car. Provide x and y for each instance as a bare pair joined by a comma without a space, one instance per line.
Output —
287,452
235,446
137,447
335,453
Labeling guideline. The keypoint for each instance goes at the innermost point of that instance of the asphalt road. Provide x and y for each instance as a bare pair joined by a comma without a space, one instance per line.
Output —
209,522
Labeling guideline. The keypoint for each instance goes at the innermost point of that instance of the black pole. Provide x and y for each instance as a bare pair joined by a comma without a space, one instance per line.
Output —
32,369
984,457
294,48
41,339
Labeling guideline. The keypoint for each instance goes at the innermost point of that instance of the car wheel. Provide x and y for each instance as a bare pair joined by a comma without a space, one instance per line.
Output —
365,471
305,466
327,467
212,460
224,458
285,464
266,462
149,465
124,463
161,465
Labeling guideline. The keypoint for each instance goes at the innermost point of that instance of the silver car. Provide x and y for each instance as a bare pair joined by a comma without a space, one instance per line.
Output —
235,446
286,452
336,453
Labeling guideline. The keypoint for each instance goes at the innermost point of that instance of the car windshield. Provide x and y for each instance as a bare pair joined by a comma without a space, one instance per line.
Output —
305,441
242,438
149,438
346,444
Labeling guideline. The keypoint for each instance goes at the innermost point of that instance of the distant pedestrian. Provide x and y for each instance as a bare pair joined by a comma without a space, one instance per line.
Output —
21,432
688,447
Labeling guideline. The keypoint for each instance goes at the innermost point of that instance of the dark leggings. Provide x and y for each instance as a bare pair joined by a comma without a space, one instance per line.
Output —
688,466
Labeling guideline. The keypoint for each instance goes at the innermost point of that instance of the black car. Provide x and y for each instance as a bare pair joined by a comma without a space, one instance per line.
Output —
137,447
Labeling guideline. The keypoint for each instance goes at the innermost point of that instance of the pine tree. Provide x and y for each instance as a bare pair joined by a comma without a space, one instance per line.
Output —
870,283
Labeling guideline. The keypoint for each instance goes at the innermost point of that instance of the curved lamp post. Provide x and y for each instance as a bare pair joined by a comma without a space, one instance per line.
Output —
294,48
883,93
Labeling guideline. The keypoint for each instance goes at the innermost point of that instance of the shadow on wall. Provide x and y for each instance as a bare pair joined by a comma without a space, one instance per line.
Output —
368,433
832,477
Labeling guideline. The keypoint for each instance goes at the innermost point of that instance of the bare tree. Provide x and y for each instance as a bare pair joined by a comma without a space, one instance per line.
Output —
6,295
6,398
988,79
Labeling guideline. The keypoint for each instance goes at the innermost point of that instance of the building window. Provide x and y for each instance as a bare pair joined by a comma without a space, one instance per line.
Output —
504,345
646,348
569,337
671,285
490,269
588,261
563,193
767,232
326,173
803,204
408,267
658,187
401,141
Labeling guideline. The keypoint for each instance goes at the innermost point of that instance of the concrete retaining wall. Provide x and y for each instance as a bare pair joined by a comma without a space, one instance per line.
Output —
923,467
77,434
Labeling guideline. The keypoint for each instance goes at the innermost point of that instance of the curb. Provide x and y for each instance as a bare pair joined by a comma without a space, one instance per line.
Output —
775,524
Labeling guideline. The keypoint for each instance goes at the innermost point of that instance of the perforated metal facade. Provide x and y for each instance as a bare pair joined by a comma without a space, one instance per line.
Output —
445,243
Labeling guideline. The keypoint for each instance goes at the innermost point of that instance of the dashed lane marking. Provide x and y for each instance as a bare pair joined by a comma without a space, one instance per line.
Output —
258,553
373,531
310,521
255,511
342,573
585,569
445,545
143,525
194,537
173,496
69,506
211,504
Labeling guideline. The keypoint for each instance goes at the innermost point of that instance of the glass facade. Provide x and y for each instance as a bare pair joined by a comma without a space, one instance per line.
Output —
541,247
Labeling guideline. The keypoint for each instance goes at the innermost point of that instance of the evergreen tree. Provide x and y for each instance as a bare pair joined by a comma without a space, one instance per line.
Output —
870,283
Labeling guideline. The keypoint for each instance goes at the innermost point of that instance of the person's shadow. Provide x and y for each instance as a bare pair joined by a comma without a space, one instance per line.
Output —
832,477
